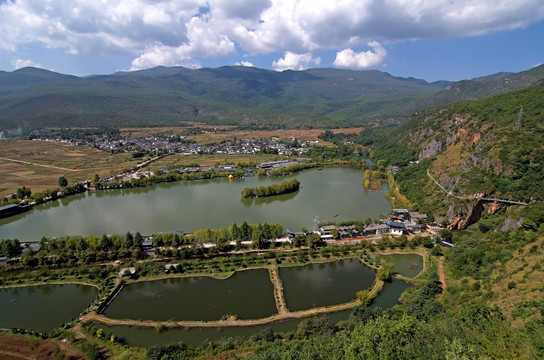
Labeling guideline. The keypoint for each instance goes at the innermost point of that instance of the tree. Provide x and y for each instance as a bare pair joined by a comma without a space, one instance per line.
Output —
236,232
22,193
313,241
446,235
81,245
96,179
105,243
386,271
138,239
63,182
10,248
129,240
364,297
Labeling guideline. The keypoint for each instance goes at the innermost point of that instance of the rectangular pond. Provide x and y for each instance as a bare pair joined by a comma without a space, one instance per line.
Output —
43,307
331,283
247,294
147,337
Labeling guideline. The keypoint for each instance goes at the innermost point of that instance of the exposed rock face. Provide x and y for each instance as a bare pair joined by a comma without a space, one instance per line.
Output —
511,224
432,149
493,207
474,215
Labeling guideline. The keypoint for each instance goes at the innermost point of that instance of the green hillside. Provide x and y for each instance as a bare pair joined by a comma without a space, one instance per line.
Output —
227,95
486,86
485,148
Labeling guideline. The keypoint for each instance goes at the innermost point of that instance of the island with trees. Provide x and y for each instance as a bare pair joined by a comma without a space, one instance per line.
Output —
285,187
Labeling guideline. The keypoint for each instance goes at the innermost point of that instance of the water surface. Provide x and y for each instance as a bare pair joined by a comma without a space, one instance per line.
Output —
248,294
331,283
331,194
147,337
409,265
43,307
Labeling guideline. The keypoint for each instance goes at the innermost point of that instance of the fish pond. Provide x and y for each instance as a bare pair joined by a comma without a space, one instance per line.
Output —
323,284
409,265
247,294
146,337
43,307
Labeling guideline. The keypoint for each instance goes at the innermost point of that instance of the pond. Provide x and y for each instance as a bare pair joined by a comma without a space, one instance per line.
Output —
43,307
146,337
331,283
348,270
331,194
409,265
247,294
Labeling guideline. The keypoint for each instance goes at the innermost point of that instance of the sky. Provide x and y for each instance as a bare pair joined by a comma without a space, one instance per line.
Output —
426,39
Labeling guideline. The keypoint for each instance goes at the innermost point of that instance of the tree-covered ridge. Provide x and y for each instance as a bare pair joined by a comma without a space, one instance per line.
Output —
285,187
226,95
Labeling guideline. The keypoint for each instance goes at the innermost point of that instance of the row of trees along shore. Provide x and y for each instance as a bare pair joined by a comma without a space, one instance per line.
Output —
285,187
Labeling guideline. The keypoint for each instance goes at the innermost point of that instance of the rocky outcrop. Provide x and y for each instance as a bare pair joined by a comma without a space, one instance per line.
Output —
493,207
474,215
432,149
511,224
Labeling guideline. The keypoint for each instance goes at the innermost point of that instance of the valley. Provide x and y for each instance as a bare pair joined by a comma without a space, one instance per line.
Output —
142,213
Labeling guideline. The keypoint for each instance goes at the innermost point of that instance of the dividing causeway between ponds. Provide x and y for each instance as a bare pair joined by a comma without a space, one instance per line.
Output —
283,312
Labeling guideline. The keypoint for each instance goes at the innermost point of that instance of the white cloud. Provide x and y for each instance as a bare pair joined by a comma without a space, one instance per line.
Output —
291,61
202,42
175,31
244,63
20,63
364,59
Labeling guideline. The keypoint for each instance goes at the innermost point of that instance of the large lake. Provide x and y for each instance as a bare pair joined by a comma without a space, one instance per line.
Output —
331,194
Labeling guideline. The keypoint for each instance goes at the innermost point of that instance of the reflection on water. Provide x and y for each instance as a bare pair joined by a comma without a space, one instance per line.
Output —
409,265
331,283
248,294
200,204
43,307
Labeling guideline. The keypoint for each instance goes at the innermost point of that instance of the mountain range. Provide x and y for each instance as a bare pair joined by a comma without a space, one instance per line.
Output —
243,96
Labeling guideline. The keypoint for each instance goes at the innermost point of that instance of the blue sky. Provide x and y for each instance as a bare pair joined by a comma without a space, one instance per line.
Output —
432,40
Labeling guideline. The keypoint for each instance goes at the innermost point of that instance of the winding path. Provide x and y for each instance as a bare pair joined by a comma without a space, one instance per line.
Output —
442,277
35,164
450,193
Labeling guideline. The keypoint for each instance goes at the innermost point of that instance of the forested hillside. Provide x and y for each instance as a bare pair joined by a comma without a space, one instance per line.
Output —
487,148
226,95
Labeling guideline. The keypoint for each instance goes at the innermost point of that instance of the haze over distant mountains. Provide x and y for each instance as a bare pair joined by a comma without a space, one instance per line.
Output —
244,96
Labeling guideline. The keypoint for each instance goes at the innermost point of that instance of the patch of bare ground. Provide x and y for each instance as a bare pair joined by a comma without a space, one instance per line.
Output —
17,348
442,277
39,164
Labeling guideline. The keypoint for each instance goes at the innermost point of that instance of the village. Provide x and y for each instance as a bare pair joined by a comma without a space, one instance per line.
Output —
175,144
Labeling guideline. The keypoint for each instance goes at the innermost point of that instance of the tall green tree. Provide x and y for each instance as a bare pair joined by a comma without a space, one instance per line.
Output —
63,182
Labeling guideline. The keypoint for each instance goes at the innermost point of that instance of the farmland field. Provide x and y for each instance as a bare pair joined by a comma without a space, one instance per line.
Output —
38,164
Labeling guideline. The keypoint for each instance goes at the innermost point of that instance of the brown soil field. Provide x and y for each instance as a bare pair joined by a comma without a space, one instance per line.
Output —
38,164
219,133
17,348
300,134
